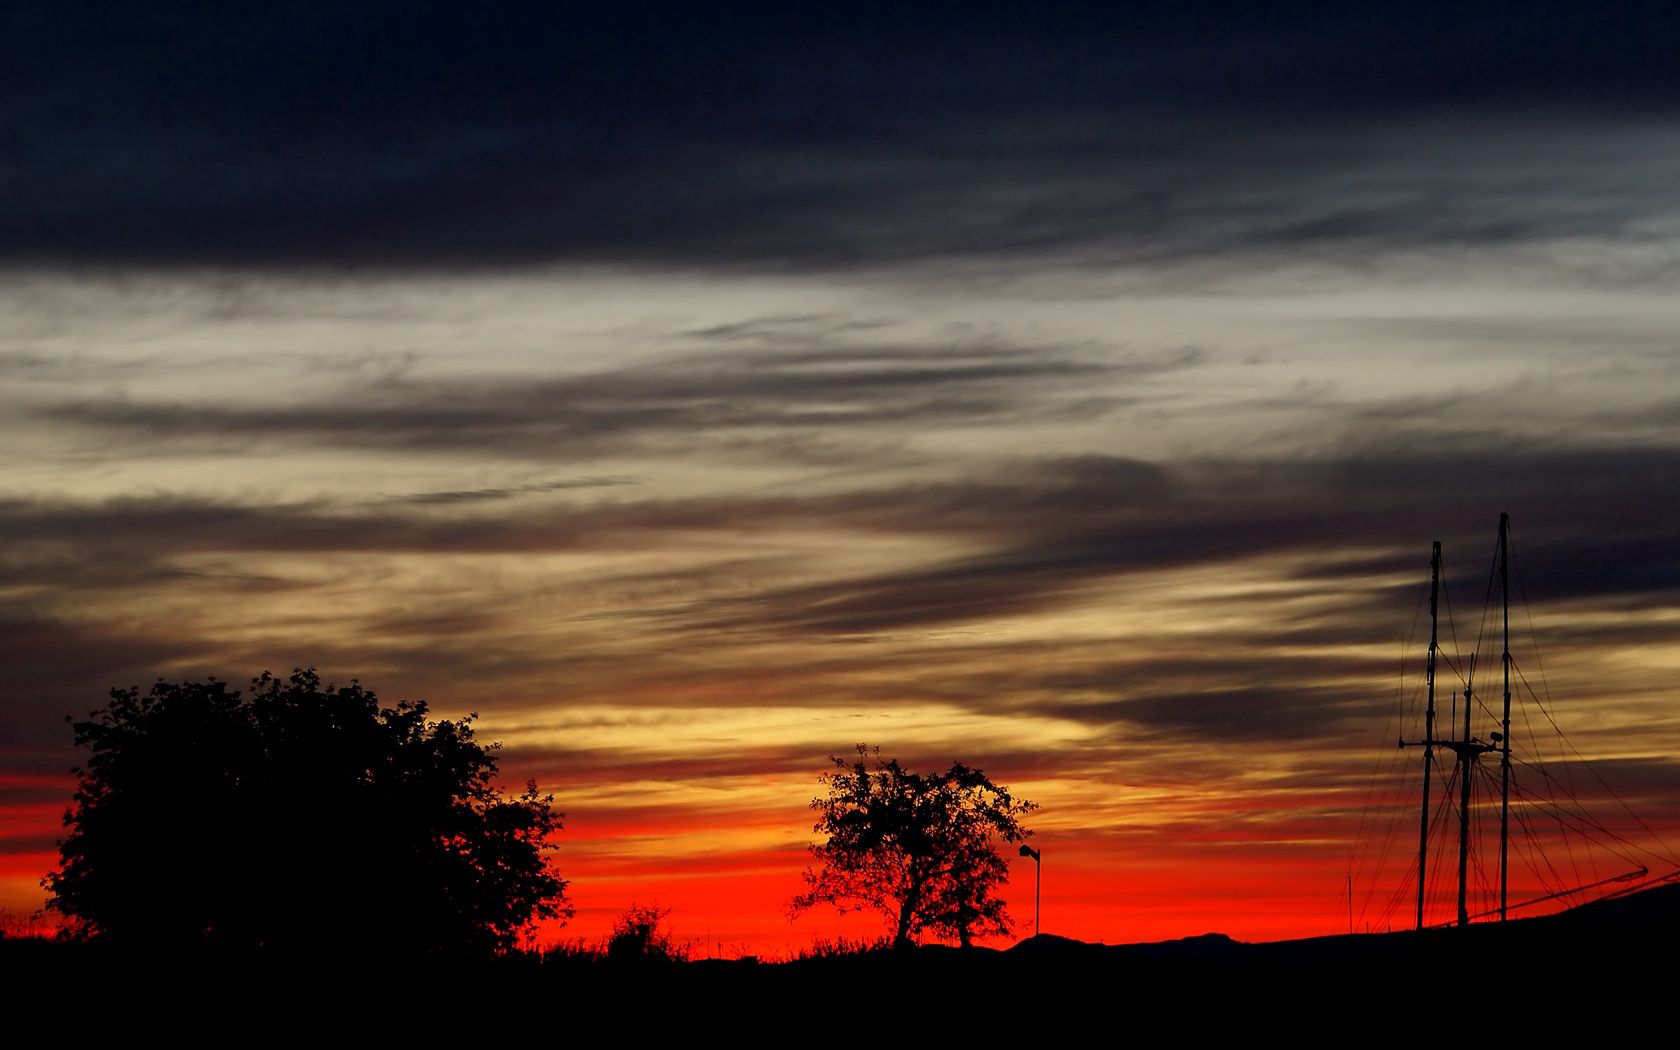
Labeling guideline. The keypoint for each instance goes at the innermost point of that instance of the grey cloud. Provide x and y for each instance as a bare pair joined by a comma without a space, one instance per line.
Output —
28,366
1273,712
1636,777
673,407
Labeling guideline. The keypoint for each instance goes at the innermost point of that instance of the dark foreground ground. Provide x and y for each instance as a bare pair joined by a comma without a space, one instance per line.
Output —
1605,968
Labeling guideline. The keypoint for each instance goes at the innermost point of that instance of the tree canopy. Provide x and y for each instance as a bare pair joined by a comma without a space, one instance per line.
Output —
298,817
921,849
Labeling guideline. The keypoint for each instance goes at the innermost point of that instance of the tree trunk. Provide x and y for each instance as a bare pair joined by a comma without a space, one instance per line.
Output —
901,939
907,914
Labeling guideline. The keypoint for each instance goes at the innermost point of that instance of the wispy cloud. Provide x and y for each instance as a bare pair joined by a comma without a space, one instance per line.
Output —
513,491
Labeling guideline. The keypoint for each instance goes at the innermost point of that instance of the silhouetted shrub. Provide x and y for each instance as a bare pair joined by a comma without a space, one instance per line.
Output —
638,935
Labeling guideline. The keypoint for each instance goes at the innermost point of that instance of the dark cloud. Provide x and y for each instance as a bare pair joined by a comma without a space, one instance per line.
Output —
562,765
58,667
1272,712
425,137
1060,540
1635,777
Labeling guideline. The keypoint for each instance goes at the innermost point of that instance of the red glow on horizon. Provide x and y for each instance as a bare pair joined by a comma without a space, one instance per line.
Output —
1251,870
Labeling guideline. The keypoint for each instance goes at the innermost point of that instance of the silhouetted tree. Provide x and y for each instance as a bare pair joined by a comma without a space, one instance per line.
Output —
920,849
297,818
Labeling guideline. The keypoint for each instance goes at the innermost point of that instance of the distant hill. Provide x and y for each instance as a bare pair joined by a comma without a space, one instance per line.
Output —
1638,917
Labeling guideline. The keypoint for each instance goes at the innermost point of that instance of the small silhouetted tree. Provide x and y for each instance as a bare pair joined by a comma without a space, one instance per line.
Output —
298,818
921,849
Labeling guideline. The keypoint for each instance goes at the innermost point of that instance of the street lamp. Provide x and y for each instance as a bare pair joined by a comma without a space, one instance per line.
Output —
1038,882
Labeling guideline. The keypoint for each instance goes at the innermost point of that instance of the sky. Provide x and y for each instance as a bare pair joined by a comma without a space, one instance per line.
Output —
697,393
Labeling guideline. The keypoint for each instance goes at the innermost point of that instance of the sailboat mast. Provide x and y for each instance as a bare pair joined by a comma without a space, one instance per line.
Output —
1466,749
1465,759
1429,725
1505,722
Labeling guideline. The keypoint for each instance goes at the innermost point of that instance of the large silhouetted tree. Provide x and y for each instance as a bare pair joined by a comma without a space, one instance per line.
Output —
921,849
298,818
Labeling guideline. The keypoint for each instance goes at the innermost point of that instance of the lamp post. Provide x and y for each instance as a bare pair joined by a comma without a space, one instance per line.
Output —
1038,882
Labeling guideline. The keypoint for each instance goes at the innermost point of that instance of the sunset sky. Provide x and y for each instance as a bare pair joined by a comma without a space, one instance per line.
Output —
1074,395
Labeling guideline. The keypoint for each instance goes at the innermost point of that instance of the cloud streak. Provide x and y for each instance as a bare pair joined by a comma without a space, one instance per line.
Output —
665,406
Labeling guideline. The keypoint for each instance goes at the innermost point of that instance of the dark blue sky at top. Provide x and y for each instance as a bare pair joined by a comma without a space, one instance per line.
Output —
431,134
